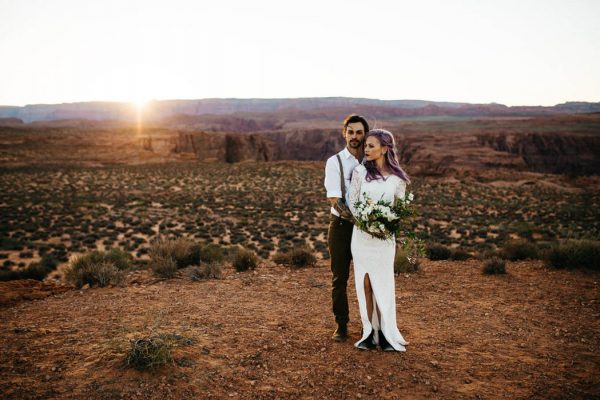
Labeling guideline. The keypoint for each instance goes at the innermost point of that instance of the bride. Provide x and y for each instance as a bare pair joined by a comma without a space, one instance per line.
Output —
380,177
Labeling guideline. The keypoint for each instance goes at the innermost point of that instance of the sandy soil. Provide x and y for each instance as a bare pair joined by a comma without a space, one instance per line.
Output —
532,333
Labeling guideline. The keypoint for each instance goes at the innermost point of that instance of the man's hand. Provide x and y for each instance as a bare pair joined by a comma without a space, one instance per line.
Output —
343,209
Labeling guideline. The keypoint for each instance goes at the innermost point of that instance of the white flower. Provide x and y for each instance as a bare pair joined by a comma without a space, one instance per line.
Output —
410,197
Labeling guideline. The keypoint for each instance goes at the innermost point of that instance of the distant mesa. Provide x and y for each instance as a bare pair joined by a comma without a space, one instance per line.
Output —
11,121
307,108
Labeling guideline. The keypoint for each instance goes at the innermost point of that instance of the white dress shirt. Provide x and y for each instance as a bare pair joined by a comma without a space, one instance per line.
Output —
332,175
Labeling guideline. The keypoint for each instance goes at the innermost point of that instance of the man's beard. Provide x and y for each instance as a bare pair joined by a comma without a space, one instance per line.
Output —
355,143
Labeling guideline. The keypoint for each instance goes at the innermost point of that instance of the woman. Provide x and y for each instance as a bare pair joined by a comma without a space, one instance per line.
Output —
380,177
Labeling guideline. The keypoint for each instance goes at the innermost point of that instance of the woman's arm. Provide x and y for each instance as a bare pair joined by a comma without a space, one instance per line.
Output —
354,190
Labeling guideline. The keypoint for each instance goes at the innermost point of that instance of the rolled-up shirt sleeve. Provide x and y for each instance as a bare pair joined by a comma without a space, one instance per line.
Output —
332,178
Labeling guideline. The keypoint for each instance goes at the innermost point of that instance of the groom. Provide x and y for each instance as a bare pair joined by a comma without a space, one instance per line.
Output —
338,172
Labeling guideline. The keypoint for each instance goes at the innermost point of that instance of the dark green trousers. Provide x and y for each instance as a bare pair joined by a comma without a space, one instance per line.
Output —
338,239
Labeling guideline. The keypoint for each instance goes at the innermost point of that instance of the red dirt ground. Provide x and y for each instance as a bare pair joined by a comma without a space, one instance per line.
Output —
533,333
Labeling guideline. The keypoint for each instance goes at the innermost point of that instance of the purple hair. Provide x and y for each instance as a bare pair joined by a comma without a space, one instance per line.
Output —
391,160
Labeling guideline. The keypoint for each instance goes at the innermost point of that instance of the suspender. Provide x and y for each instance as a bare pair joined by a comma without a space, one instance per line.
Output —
342,180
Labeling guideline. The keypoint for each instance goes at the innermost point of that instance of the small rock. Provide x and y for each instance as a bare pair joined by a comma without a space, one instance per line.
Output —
467,381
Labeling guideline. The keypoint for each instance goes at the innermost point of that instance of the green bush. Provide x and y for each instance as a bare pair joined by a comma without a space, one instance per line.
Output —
164,267
436,251
95,274
574,254
402,263
244,260
520,250
494,266
299,257
182,250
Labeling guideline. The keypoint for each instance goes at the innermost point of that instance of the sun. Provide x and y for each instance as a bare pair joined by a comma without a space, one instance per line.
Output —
140,102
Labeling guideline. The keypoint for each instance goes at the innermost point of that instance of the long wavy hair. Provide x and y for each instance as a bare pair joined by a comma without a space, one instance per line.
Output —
391,159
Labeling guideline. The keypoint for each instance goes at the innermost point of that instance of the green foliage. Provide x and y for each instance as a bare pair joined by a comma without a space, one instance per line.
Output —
95,274
183,251
298,257
494,266
520,250
436,251
244,260
574,254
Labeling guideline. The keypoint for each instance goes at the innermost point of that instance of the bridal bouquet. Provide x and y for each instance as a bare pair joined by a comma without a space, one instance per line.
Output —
382,219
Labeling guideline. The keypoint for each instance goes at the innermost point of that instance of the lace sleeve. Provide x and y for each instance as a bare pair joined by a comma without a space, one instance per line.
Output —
354,190
400,190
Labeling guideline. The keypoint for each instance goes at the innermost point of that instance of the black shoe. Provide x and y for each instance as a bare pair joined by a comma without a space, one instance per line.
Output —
368,343
384,344
341,333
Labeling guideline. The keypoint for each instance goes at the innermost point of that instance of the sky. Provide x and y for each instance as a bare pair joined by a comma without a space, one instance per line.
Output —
521,52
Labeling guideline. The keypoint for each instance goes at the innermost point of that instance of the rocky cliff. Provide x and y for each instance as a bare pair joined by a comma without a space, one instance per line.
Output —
559,154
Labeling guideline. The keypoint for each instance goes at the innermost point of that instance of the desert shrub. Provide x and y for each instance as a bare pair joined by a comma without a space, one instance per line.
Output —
182,250
120,258
212,253
10,244
211,270
519,250
299,257
402,263
436,251
244,259
487,253
459,254
494,266
38,271
95,274
574,254
149,353
164,267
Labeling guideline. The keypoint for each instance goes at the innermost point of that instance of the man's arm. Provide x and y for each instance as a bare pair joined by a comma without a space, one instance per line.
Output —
334,191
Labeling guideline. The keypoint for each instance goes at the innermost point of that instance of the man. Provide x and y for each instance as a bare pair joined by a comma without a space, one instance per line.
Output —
340,226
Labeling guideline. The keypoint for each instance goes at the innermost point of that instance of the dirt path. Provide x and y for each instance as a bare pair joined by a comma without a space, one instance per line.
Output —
532,333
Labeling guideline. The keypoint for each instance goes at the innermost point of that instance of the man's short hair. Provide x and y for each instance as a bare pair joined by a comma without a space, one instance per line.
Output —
352,118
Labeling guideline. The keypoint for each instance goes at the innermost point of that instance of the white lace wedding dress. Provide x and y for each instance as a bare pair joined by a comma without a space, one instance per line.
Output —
375,257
